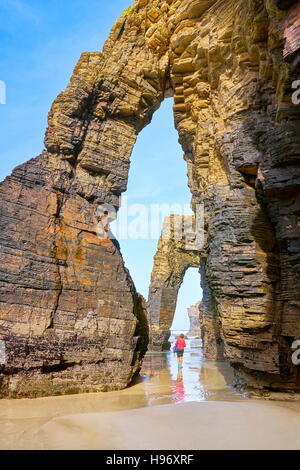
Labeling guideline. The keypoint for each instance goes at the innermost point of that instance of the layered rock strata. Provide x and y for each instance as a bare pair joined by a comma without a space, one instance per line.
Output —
210,321
231,66
71,320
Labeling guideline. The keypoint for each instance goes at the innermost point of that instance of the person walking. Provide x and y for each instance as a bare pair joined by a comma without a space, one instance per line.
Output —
180,345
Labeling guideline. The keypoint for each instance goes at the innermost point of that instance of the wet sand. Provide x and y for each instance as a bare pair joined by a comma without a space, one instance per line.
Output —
206,425
146,415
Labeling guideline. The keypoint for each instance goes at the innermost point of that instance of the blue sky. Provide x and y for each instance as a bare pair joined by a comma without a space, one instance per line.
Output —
41,42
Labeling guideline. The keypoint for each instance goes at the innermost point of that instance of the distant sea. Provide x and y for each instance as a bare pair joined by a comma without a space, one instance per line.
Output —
175,333
178,332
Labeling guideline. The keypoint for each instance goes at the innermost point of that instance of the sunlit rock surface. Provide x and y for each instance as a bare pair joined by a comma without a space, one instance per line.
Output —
69,315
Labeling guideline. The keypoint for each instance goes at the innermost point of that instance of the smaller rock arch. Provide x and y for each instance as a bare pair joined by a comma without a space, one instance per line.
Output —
176,252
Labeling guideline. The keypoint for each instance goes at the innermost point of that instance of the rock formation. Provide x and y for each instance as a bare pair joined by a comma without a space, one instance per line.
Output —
70,317
210,321
171,261
232,68
193,313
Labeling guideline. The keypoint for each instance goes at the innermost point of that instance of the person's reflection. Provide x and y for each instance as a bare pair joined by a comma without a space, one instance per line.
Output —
179,388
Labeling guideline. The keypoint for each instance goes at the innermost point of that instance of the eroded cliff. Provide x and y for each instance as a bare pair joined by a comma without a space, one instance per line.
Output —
67,302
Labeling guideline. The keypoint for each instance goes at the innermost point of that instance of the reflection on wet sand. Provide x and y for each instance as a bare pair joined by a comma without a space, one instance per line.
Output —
159,384
199,380
179,388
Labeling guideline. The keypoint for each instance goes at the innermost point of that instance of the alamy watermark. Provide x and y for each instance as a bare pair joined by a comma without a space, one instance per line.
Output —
296,354
2,352
2,92
151,222
296,94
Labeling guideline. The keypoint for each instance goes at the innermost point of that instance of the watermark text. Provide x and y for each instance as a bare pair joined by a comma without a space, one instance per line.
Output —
150,222
2,352
296,354
296,94
2,92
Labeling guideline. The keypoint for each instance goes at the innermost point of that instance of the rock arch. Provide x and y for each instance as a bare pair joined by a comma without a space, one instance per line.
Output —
69,309
175,254
171,261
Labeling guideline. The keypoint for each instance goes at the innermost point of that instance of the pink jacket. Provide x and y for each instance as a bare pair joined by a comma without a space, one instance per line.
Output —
180,343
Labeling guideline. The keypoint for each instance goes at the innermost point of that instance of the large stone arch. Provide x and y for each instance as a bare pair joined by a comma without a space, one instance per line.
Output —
71,319
69,310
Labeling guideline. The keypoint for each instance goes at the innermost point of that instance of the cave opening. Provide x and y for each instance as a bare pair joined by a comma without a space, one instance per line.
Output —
189,295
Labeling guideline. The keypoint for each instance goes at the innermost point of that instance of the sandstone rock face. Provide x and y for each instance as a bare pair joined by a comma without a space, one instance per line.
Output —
70,317
210,322
69,311
193,313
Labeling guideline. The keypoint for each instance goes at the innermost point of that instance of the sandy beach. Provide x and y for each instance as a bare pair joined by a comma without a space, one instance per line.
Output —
207,425
162,410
